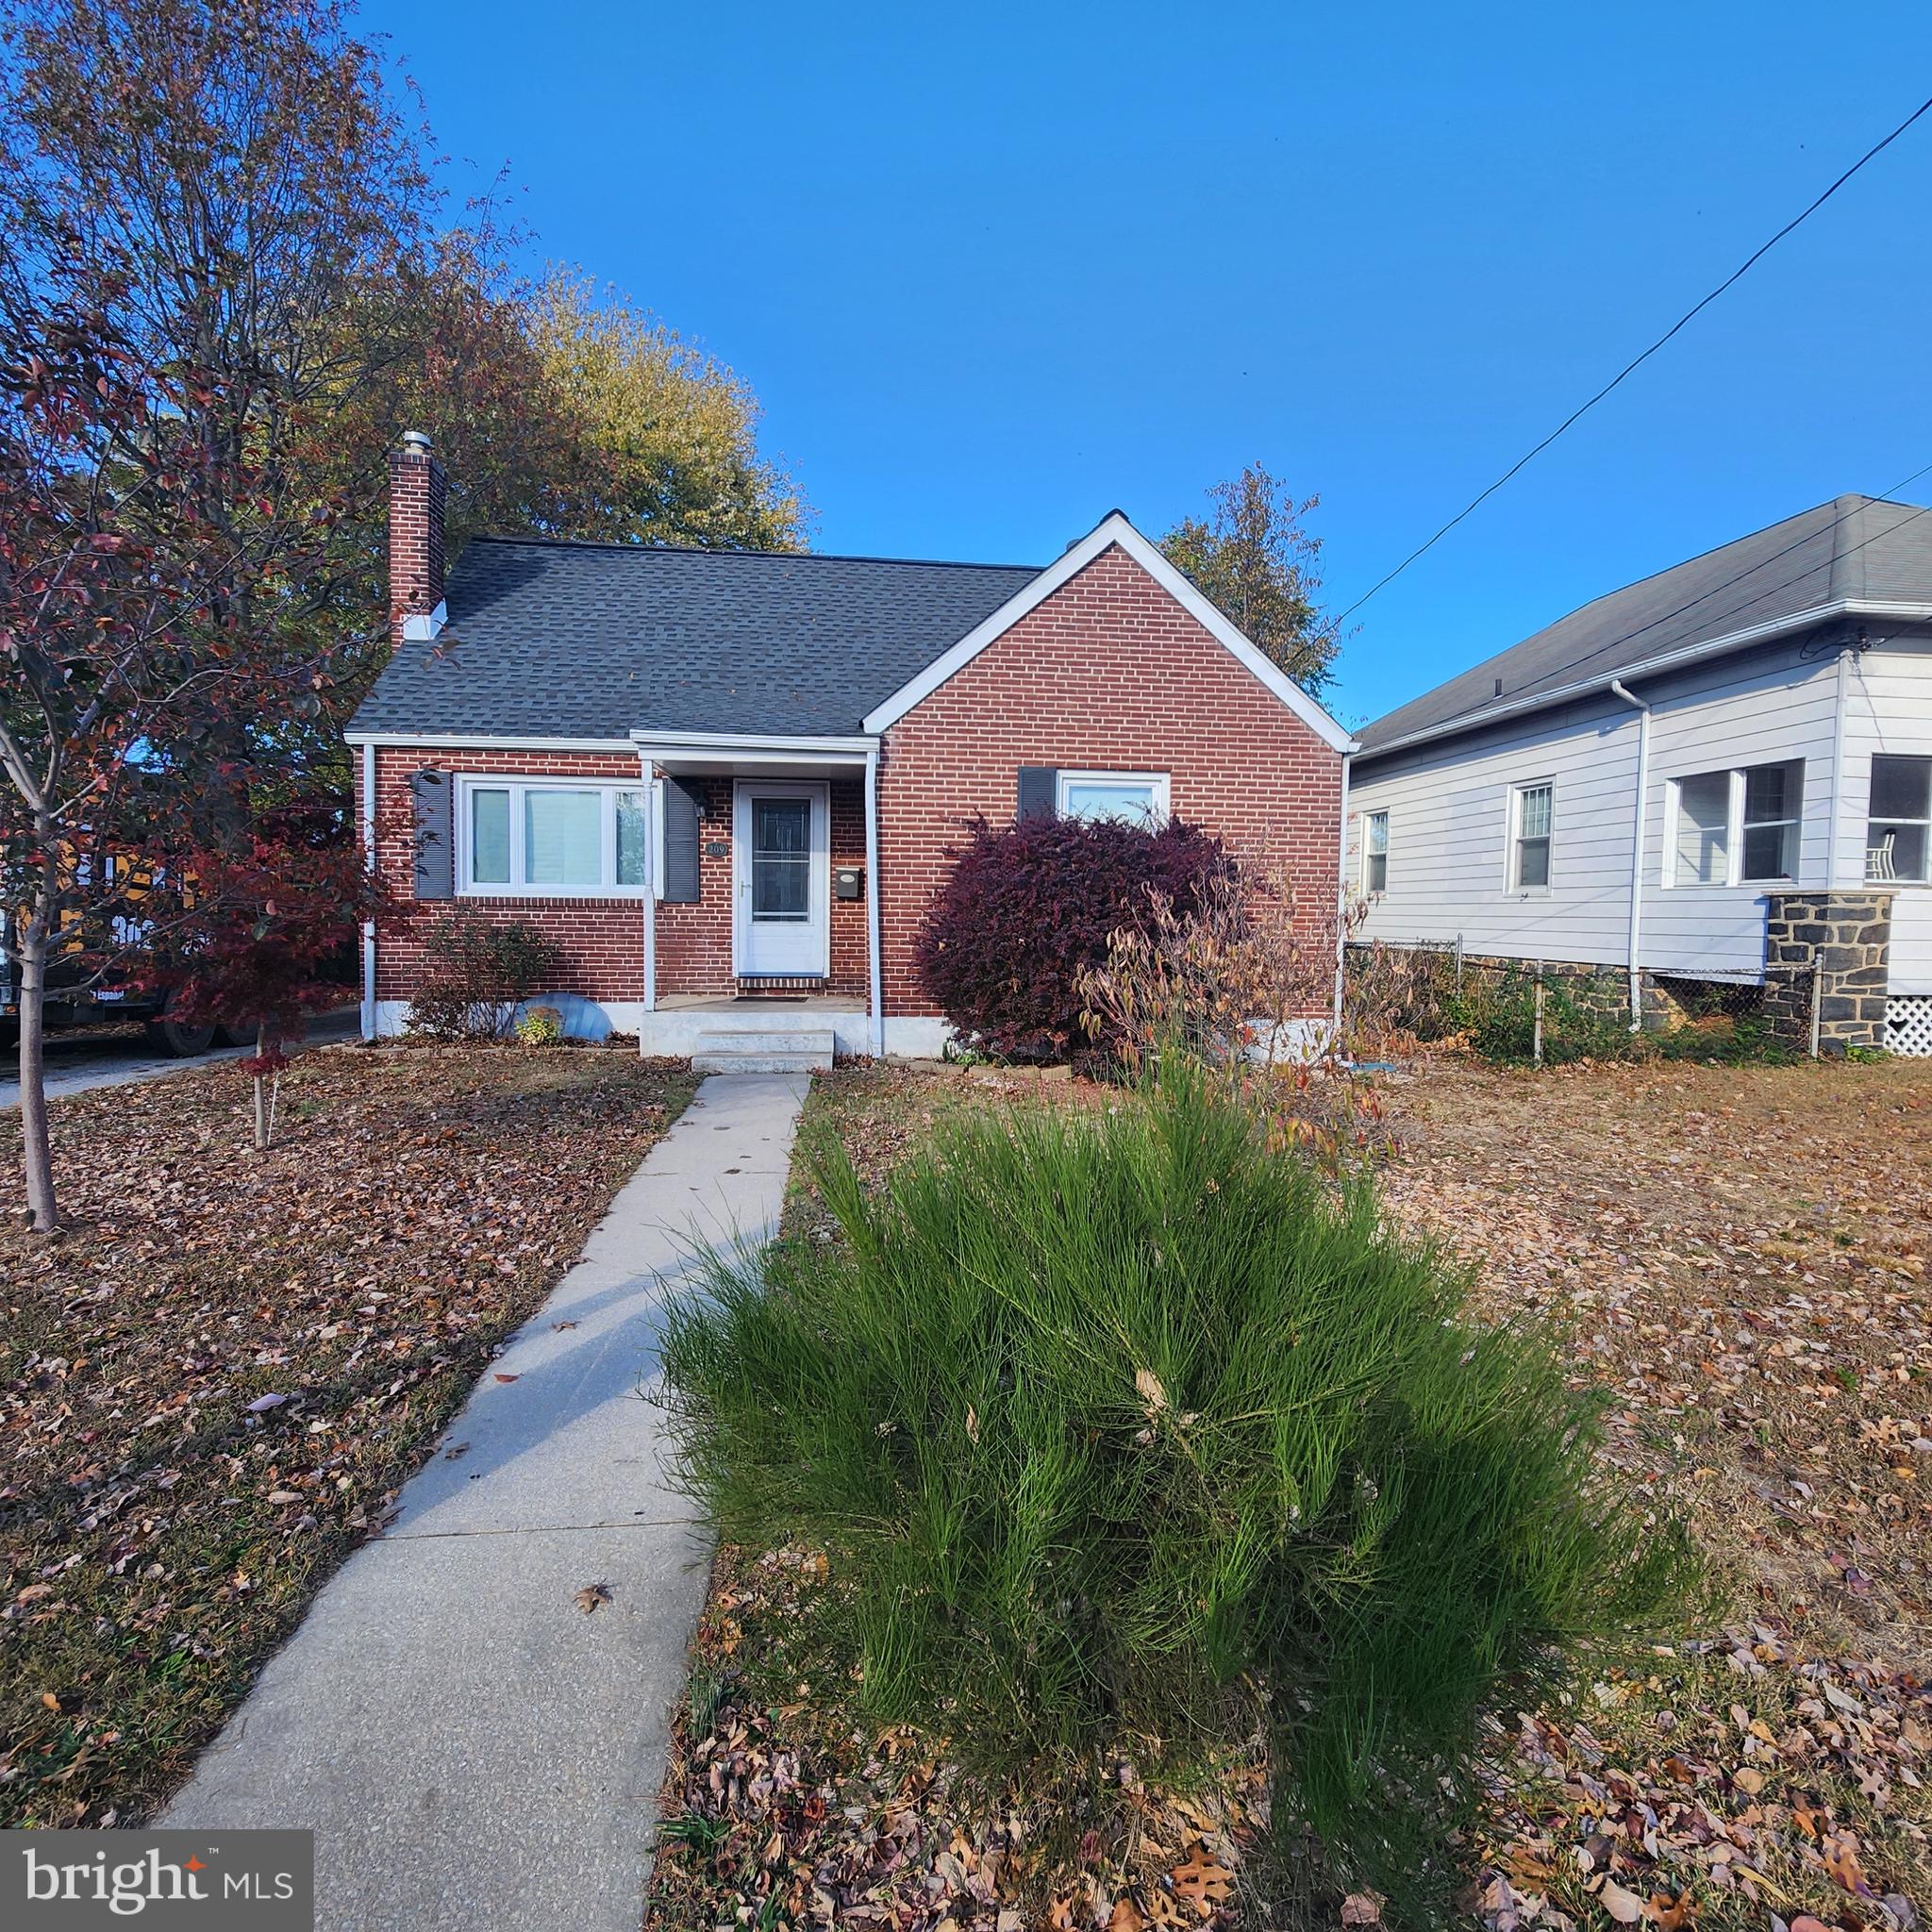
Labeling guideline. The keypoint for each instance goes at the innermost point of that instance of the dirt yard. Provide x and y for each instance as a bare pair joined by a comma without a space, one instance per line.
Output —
214,1381
1737,1254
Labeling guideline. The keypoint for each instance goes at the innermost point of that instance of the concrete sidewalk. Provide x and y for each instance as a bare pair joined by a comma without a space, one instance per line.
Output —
475,1753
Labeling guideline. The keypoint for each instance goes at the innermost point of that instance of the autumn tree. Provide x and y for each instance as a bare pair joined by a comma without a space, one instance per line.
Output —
1254,559
193,200
262,935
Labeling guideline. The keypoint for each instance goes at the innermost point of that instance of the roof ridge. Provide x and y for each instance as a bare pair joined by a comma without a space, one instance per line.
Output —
722,551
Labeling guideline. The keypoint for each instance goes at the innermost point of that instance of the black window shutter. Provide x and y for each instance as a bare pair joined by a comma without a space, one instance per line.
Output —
1039,791
680,843
433,827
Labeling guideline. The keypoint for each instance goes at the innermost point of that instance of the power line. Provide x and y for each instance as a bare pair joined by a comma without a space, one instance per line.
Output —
1630,637
1637,362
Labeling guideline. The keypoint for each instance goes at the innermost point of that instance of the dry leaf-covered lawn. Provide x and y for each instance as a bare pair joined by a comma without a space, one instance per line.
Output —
214,1383
1739,1256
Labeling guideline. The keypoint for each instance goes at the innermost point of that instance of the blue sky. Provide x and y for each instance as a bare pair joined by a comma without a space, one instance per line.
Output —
996,270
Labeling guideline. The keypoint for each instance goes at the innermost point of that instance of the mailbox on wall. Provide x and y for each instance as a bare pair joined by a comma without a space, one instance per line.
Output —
848,882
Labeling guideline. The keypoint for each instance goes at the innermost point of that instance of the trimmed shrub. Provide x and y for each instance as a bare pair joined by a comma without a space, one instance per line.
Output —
1125,1434
477,972
1029,909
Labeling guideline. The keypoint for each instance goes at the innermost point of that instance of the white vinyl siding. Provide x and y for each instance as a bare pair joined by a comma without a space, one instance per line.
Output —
1888,712
1450,804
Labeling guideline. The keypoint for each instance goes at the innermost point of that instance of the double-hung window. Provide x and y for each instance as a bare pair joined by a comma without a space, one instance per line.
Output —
1736,827
1138,797
1376,852
1532,824
551,839
1898,831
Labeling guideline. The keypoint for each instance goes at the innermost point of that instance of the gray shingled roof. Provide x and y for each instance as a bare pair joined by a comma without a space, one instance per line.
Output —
1857,548
597,640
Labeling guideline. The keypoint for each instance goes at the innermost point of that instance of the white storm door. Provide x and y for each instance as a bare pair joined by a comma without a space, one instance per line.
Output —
781,862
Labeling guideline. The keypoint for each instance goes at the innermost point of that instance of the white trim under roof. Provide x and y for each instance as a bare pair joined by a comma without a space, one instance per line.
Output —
1112,528
1771,629
739,743
478,740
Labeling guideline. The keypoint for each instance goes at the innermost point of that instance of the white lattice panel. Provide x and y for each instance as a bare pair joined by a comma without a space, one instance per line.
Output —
1908,1026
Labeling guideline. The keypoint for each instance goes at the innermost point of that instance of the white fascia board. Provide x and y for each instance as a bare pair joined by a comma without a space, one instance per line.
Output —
1767,632
734,744
1112,528
477,741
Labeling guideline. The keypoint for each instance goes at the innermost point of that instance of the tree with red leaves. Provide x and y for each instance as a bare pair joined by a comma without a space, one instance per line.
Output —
203,209
264,937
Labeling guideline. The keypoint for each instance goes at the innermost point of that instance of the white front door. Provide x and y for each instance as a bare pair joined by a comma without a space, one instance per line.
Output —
781,848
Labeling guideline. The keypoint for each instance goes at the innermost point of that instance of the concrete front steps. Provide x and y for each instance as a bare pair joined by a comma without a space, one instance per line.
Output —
771,1049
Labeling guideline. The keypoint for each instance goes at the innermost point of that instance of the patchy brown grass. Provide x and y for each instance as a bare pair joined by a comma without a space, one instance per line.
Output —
214,1383
1737,1254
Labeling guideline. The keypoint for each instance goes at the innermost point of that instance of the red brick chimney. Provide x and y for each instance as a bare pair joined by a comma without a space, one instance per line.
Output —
416,491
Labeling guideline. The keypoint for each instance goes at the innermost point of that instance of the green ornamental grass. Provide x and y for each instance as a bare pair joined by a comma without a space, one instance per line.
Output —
1124,1432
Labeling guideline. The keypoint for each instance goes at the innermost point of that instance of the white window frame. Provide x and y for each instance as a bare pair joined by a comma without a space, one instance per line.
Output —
1156,783
1735,874
1369,853
1870,819
469,783
1513,836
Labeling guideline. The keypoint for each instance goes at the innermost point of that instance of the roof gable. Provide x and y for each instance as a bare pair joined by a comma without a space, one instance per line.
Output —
1113,529
1856,548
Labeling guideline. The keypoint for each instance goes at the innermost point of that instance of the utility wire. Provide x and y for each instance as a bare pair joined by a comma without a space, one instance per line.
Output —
1704,596
1637,362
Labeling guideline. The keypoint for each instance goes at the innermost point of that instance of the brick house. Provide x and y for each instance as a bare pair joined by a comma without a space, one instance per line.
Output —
724,782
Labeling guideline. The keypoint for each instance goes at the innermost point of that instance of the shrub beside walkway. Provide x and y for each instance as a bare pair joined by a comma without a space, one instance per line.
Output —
471,1715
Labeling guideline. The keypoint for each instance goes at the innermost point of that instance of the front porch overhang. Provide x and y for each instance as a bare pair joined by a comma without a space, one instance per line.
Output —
732,752
739,754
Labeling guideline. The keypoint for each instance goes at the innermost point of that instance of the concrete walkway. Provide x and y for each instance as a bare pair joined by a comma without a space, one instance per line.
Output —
475,1753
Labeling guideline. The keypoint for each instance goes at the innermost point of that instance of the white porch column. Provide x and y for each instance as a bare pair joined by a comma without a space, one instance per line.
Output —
369,862
654,845
876,1023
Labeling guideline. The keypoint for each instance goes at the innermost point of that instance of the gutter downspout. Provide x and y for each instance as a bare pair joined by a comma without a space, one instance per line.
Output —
655,794
368,863
1341,903
1630,697
1838,764
875,1018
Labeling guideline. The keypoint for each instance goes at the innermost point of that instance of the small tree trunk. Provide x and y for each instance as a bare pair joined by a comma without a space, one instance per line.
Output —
260,1097
39,1156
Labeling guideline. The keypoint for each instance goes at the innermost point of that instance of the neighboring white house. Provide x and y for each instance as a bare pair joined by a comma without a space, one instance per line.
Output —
1627,787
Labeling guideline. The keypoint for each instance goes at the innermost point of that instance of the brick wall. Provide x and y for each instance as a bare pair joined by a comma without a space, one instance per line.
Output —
601,939
1109,673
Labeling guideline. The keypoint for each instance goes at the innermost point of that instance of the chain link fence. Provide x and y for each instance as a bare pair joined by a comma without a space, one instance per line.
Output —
1549,1014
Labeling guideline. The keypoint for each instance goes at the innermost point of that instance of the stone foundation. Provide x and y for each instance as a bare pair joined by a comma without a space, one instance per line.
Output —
1848,934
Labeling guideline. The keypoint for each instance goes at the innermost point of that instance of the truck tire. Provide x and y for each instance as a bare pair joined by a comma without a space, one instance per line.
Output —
238,1036
184,1042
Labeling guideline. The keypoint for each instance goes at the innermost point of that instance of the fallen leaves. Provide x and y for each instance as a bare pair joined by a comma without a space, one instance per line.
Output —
213,1386
592,1597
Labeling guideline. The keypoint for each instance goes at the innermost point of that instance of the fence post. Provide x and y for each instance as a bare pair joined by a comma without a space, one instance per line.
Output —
1535,1051
1817,998
1459,963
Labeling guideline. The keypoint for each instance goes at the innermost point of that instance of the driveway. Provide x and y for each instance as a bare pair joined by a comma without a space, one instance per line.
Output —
78,1061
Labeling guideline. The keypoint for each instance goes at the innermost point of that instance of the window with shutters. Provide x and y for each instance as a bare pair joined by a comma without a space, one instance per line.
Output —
552,840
